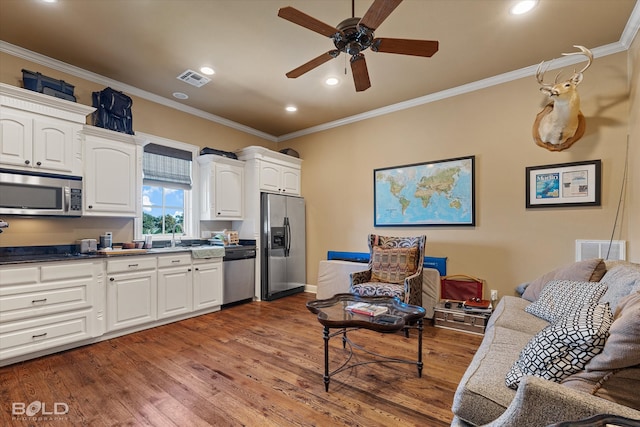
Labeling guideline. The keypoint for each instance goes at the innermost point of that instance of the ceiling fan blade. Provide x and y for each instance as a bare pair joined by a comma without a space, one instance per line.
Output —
378,12
306,21
360,73
315,62
405,46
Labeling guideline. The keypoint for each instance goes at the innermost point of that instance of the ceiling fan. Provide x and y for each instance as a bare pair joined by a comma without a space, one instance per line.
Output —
355,35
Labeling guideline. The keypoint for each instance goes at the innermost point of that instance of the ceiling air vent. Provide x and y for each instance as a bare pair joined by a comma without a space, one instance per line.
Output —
194,78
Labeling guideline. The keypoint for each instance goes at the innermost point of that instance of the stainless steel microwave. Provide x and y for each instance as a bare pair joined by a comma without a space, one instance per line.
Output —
27,193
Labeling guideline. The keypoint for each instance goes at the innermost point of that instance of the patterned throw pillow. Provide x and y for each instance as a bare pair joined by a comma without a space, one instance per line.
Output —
392,265
564,347
562,297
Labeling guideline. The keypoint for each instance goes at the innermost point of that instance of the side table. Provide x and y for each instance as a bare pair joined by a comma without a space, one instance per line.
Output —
332,313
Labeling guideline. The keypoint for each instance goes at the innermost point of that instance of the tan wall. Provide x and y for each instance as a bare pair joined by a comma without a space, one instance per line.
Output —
148,117
509,244
633,190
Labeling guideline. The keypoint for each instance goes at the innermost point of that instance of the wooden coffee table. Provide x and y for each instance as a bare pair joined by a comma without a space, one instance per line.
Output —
333,314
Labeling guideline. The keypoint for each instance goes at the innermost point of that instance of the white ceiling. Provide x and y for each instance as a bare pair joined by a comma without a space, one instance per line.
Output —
145,44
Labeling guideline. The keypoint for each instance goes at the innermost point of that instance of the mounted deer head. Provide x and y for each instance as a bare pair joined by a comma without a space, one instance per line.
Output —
561,123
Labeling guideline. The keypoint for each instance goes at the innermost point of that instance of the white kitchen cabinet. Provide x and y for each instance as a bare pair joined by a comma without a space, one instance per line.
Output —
47,305
132,291
175,285
112,173
207,283
221,188
40,132
277,178
271,171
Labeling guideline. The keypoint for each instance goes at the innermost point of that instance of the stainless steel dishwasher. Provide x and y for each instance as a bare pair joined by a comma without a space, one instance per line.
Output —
238,266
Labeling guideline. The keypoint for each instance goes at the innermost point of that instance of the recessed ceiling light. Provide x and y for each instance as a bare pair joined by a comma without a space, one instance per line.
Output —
180,95
291,108
49,1
332,81
207,70
523,6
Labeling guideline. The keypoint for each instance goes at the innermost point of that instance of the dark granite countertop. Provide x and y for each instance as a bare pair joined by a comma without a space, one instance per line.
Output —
30,254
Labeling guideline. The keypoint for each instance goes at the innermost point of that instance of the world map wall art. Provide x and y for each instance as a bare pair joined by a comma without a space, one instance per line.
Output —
438,193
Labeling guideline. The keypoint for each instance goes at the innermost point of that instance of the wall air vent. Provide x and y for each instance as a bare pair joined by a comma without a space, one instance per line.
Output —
605,249
193,78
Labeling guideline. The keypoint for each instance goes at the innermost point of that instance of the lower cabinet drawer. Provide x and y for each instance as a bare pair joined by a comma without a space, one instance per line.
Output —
43,299
29,336
460,321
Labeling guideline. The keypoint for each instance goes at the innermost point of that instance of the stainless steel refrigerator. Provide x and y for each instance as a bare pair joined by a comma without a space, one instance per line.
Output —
283,254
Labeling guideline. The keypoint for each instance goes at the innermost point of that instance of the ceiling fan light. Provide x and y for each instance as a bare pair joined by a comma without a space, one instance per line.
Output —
523,7
207,70
332,81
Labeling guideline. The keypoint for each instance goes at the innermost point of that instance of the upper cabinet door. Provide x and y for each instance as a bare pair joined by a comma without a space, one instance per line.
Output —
229,191
16,139
110,178
53,145
291,181
270,176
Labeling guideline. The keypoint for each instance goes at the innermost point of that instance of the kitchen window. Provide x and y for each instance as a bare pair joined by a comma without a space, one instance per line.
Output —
167,190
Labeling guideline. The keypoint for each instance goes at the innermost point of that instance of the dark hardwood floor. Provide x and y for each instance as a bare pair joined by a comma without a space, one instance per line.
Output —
257,364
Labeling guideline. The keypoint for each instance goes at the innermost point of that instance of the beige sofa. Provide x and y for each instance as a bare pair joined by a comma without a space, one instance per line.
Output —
606,382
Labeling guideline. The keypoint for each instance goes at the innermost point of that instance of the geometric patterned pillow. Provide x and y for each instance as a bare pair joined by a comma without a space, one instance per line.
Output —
562,297
564,347
393,265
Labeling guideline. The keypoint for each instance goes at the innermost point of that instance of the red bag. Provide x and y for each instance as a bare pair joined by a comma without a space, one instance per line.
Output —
460,287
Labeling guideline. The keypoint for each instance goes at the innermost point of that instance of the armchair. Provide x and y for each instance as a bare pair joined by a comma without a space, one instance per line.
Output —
395,269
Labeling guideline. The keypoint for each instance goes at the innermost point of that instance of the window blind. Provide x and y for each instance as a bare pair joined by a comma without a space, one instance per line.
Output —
166,165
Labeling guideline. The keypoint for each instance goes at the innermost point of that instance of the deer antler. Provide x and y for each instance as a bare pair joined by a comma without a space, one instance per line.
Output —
542,69
583,51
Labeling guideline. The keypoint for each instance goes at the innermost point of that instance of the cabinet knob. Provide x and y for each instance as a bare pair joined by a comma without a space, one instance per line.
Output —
39,163
111,279
190,269
197,269
90,206
26,162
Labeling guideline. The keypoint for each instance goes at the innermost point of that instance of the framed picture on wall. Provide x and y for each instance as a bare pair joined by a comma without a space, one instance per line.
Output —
438,193
563,185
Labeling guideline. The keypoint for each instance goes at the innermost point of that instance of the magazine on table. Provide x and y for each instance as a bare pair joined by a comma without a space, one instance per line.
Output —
366,309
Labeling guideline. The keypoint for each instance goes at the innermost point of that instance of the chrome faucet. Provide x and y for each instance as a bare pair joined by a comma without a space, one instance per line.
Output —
173,234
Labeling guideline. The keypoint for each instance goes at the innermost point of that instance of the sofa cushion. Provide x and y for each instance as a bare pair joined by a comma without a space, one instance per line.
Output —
562,297
481,395
393,265
615,373
509,313
564,347
621,280
590,270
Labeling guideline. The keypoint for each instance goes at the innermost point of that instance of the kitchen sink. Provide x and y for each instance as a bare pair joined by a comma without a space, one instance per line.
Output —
196,251
168,249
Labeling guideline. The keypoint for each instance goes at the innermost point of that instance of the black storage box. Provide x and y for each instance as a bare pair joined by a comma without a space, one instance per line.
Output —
38,82
228,154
